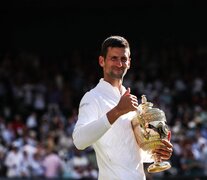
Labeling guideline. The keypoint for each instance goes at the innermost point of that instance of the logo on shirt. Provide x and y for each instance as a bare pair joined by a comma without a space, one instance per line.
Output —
84,104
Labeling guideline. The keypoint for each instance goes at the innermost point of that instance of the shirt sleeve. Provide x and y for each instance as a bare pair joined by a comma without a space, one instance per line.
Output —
90,125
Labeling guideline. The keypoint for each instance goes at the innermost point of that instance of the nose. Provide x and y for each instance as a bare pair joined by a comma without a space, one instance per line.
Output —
119,63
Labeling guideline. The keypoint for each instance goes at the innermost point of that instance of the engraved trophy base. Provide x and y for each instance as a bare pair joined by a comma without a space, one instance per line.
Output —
158,167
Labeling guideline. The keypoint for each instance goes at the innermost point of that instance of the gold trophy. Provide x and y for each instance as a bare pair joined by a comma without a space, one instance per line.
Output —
149,129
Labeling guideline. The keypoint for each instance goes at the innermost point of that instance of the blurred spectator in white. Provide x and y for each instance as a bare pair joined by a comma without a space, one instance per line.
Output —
39,103
13,161
65,142
25,165
177,127
197,142
80,163
36,164
7,133
31,138
30,149
31,121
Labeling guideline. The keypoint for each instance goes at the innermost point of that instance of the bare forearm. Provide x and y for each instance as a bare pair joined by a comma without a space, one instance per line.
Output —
114,114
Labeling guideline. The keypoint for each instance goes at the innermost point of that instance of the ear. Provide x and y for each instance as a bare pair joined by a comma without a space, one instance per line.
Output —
101,61
129,64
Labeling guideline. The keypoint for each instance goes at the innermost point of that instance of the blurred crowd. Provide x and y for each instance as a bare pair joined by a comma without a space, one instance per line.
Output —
40,94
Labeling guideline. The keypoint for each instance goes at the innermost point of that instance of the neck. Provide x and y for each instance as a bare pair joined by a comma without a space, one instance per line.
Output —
115,83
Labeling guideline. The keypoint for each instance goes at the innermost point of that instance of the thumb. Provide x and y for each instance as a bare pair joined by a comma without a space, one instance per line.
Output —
127,91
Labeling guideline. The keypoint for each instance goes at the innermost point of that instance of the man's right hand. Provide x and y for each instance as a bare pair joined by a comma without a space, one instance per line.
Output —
127,103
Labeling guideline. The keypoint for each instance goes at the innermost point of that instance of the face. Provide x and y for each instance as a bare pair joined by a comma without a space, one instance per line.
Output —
116,63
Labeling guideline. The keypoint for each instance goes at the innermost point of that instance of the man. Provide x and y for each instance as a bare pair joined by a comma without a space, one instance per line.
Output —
104,119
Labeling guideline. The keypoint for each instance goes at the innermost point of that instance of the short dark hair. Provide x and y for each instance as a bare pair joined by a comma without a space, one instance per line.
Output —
113,41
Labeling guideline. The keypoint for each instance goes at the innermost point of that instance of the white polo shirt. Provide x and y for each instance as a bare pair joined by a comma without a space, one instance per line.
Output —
118,155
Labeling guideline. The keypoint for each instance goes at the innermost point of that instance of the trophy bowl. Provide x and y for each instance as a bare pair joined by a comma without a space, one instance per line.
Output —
149,129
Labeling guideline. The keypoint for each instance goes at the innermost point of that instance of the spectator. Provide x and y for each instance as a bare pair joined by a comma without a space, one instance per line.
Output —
37,169
13,161
52,164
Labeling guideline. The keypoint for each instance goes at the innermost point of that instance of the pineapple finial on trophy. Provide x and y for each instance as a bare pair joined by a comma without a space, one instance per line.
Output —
144,99
145,105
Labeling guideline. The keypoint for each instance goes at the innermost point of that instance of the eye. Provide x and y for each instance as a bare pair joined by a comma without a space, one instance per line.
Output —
114,58
124,60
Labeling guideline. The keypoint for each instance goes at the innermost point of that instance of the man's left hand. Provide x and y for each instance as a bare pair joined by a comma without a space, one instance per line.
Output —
164,151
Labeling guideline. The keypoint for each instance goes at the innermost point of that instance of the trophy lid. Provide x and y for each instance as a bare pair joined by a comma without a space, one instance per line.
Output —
151,114
145,105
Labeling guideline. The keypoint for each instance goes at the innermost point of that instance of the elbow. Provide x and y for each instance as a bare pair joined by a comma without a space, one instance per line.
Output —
77,143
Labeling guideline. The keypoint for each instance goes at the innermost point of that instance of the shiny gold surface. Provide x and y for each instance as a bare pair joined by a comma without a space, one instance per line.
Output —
149,128
158,167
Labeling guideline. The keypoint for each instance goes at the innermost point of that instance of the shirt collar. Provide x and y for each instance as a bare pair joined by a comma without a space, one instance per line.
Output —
108,87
